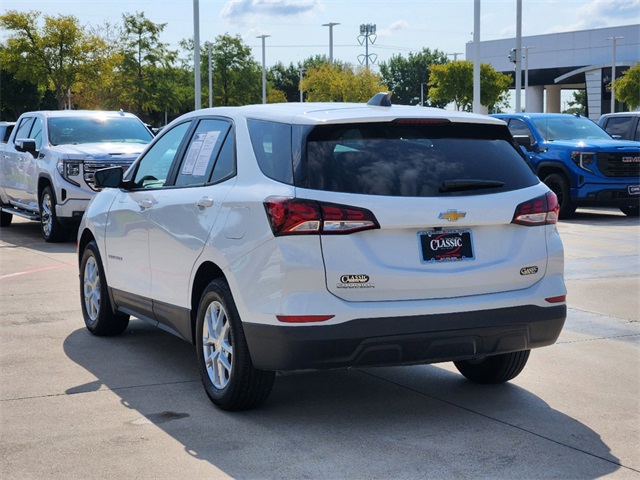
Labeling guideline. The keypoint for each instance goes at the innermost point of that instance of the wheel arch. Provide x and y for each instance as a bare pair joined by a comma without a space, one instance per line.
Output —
547,168
43,182
84,240
206,273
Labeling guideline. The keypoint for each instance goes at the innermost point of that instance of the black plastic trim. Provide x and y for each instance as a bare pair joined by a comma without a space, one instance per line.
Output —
404,340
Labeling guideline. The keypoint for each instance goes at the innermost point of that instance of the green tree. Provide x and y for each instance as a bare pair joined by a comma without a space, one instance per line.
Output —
237,77
287,79
579,103
627,87
453,82
408,77
16,96
55,56
331,83
145,60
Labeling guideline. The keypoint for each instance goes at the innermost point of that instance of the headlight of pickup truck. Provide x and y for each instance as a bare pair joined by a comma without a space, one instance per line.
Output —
69,169
584,160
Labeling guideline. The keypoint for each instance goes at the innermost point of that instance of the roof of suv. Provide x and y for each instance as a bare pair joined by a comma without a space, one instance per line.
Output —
310,113
84,113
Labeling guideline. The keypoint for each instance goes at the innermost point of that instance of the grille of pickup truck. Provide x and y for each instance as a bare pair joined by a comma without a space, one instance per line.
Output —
619,164
90,169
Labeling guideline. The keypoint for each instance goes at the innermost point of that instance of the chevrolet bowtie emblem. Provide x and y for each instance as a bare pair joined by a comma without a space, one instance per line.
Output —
452,215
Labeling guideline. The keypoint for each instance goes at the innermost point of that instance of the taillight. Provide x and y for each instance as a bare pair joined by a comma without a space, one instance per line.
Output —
539,211
292,216
304,318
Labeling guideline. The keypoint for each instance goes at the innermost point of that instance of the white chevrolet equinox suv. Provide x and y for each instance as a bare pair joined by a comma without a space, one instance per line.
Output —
327,235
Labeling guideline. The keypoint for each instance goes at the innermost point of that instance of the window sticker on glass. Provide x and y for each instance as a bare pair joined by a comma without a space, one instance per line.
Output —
199,153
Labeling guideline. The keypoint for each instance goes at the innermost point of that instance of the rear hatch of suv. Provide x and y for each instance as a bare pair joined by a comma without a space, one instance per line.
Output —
437,200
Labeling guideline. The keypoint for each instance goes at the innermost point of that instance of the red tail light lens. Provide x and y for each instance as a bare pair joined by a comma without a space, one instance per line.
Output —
292,216
539,211
304,318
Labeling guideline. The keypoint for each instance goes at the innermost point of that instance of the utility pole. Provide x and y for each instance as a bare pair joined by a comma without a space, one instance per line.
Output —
196,53
209,45
330,25
455,55
613,73
264,69
367,31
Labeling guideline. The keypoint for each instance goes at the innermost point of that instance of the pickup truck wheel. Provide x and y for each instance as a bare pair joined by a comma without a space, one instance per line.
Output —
52,229
228,375
495,369
559,185
5,219
98,315
631,210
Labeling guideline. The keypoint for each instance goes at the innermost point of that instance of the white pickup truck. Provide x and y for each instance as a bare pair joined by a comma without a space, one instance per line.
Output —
48,163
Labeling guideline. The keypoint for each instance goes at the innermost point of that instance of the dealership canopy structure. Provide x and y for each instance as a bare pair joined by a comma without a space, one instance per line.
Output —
570,60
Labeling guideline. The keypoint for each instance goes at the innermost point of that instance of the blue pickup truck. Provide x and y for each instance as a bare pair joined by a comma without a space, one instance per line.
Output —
579,161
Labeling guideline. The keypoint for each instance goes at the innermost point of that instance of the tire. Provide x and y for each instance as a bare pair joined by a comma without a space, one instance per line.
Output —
631,210
495,369
228,375
558,184
99,317
52,230
5,219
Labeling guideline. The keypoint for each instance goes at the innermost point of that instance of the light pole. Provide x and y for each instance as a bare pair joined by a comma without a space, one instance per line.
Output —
264,70
613,73
518,55
209,45
422,94
301,70
330,25
476,57
526,79
196,53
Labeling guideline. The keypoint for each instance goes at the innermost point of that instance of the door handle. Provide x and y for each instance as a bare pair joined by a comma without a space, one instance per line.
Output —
144,204
204,202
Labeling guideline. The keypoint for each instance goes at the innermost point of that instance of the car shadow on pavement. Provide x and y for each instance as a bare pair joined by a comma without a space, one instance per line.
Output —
27,234
394,422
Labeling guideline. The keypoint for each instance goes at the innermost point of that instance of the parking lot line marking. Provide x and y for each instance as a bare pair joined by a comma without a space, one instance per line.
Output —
35,270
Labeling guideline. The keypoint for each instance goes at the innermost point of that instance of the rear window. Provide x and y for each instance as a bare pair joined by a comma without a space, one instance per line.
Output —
414,160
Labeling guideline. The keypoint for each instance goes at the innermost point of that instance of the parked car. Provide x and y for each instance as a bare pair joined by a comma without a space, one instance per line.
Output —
579,161
624,126
47,166
5,130
326,235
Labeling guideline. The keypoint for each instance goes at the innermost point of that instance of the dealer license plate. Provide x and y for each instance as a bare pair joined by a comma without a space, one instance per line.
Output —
446,245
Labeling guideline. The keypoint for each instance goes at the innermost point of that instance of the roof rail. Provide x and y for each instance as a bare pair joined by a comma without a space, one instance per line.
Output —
382,99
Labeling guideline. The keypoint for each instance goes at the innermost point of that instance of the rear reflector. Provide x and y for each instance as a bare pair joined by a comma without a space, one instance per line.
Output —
558,299
542,210
294,216
304,318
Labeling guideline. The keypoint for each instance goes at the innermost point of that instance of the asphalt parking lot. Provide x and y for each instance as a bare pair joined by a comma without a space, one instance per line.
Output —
75,406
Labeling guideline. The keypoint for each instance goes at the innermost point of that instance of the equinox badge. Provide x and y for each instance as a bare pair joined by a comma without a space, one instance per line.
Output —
452,215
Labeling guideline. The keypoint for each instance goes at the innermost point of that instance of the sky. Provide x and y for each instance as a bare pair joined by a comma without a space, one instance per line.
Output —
296,31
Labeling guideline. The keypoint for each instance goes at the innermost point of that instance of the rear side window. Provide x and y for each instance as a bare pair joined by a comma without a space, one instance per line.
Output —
271,143
414,160
619,126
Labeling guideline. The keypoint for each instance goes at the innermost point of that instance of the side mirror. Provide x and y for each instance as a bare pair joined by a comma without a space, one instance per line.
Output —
524,141
26,145
108,177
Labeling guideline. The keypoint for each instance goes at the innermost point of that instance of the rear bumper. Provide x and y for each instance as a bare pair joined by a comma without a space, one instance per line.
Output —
404,340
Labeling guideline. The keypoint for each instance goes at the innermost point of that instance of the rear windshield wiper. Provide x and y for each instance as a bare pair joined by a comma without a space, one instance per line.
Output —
468,184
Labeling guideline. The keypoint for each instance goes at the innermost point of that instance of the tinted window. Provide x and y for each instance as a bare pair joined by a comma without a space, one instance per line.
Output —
226,163
619,126
98,129
568,128
518,127
202,152
153,169
637,135
36,132
412,160
271,143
